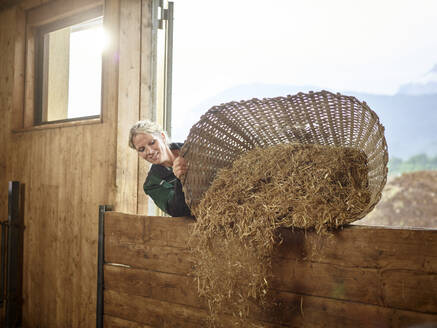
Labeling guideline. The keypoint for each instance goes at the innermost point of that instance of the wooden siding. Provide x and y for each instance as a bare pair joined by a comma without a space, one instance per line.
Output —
69,170
358,277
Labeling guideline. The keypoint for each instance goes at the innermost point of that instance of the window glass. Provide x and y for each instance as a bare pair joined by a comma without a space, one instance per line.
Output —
86,45
69,67
382,52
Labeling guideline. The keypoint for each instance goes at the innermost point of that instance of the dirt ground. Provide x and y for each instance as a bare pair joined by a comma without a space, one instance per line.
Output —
409,200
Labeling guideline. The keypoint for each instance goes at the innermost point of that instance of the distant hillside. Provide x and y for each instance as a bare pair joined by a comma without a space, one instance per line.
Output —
410,120
407,200
426,84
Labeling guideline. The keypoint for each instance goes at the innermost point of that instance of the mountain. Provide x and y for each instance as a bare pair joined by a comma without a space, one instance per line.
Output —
426,84
410,120
418,88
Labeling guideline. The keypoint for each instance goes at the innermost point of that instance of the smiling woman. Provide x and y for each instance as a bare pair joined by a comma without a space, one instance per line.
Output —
162,183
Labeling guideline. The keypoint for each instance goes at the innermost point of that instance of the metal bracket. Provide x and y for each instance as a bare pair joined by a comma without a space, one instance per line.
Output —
164,15
100,263
11,275
4,225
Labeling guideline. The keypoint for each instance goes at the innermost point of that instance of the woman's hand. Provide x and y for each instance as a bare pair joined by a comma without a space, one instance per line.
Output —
179,167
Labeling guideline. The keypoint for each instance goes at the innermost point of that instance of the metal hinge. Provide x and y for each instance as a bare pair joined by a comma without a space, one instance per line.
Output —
164,15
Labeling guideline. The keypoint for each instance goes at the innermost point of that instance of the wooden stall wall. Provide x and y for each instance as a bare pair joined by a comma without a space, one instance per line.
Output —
69,171
359,277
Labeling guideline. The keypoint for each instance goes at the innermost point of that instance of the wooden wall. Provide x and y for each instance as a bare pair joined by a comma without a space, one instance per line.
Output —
69,171
360,277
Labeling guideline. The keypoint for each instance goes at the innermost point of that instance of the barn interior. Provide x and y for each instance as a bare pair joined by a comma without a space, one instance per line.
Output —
92,250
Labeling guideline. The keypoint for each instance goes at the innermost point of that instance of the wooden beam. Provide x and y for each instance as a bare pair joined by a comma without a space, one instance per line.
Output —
128,104
389,269
161,314
115,322
5,4
365,246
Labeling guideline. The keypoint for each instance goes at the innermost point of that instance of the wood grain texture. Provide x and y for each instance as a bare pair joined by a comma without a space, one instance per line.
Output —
168,287
161,314
6,90
148,243
19,68
291,310
128,104
147,102
68,171
57,10
306,268
296,310
401,289
372,247
114,322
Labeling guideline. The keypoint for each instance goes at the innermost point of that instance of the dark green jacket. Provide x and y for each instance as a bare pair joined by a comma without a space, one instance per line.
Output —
165,189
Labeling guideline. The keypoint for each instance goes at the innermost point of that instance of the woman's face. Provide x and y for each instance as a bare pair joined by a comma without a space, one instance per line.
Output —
152,148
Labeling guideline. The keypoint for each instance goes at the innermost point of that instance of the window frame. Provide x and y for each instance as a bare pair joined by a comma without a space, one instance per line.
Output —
40,31
27,23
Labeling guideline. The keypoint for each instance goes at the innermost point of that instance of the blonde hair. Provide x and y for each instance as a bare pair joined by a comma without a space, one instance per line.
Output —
143,127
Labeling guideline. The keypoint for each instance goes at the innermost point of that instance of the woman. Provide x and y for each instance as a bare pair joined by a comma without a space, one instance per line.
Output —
163,183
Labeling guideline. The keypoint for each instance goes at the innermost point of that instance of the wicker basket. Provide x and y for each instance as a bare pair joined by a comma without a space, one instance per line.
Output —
225,132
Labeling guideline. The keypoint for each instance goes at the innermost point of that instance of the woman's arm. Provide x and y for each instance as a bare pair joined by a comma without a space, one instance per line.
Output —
166,191
179,167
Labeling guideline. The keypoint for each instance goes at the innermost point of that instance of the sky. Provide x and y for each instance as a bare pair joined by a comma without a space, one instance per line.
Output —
85,72
362,46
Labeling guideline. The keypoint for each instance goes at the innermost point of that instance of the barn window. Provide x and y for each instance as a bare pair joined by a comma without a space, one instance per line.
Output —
68,68
58,64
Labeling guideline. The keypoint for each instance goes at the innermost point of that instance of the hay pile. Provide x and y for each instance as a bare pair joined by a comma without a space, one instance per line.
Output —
287,185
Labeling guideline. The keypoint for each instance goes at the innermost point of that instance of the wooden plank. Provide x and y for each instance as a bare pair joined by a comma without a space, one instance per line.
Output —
155,230
19,69
155,243
29,4
174,288
365,246
152,312
29,79
147,63
57,10
171,288
160,314
124,228
159,258
146,94
354,246
408,289
146,245
5,4
402,292
327,280
7,26
298,310
128,104
113,322
48,126
41,294
110,73
293,310
402,289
